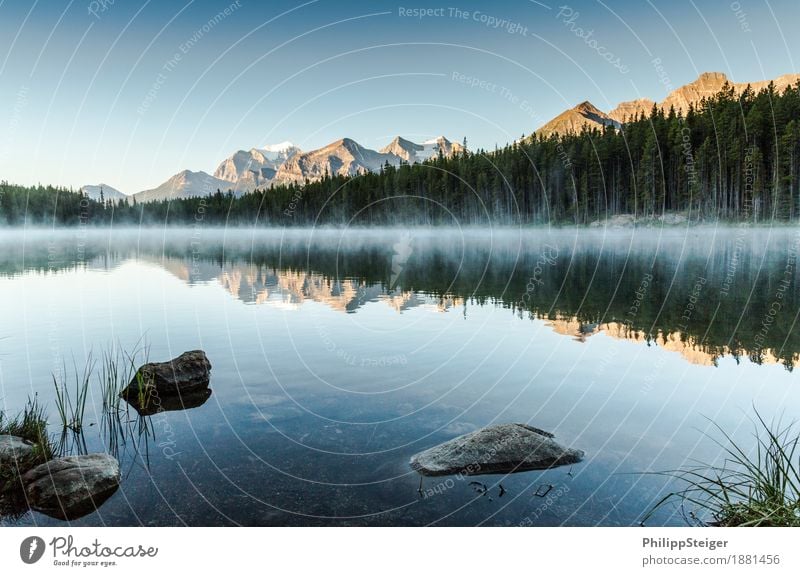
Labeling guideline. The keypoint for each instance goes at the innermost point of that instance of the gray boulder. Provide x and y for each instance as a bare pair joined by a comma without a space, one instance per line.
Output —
71,487
499,449
16,453
187,374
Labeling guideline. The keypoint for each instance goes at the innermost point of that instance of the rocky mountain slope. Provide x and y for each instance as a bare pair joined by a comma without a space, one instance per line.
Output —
706,85
575,119
109,192
184,184
345,157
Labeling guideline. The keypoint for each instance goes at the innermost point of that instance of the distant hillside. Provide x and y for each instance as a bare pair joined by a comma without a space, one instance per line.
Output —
584,115
706,85
93,191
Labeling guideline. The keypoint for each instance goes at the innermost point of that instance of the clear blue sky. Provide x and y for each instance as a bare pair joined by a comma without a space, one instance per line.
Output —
90,97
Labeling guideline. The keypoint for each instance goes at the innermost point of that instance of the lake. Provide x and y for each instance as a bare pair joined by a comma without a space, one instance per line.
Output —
337,355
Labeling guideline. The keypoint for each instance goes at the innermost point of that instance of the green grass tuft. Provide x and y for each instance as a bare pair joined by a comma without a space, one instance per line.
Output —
30,425
756,488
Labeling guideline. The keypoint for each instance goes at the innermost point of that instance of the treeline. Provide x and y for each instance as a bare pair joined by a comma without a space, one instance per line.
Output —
736,158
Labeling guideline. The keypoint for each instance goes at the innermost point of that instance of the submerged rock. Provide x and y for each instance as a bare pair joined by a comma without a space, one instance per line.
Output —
71,487
155,404
16,453
498,449
186,374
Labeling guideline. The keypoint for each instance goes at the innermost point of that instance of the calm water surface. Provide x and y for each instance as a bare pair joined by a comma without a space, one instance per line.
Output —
336,356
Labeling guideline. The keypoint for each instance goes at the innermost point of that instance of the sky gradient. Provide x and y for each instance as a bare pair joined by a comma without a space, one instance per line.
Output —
130,93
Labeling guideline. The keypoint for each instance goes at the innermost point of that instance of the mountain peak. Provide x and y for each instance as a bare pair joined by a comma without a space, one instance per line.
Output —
344,157
184,184
575,119
405,149
587,106
109,192
401,140
279,147
437,140
712,77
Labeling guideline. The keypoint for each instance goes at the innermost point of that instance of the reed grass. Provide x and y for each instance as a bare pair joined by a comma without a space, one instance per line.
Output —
72,393
759,487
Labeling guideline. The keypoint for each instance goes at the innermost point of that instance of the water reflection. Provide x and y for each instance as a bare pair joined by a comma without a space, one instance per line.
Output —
704,294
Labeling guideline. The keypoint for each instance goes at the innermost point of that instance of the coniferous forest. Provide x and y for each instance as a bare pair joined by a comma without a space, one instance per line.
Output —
735,158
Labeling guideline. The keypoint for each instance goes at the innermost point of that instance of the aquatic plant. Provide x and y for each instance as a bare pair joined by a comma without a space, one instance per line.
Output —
71,402
30,425
756,488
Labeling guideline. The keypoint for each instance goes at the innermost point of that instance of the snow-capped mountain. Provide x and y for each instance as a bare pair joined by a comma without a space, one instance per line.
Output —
248,170
258,168
405,149
345,157
412,152
279,152
109,192
185,185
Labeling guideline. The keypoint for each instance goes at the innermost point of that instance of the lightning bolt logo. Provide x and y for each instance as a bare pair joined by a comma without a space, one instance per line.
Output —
31,550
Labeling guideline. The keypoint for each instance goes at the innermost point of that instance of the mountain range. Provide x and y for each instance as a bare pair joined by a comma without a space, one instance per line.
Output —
284,163
707,85
256,167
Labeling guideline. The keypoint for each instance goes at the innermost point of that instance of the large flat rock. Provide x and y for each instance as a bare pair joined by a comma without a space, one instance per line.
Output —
499,449
16,453
71,487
